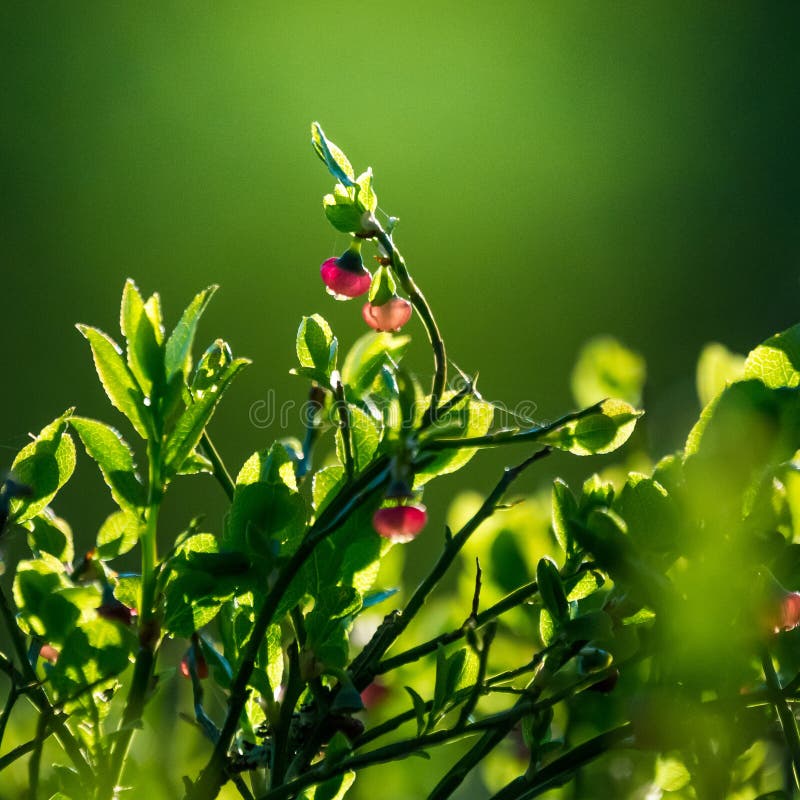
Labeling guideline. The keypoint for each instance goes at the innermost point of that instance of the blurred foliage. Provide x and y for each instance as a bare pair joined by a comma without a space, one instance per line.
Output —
621,170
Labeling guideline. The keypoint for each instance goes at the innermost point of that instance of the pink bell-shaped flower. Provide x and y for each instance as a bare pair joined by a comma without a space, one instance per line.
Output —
400,523
391,316
346,276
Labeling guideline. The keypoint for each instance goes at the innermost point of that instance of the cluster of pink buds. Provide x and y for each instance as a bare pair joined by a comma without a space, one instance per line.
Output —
346,277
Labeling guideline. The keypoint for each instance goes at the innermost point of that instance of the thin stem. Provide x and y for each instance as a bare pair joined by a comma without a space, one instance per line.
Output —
510,436
559,771
388,726
294,688
396,751
466,391
316,398
212,777
477,688
785,715
344,426
34,765
39,697
363,668
422,308
459,771
512,600
13,696
18,752
220,472
148,627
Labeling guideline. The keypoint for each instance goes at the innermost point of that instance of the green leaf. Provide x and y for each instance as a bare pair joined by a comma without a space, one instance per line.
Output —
332,789
346,217
144,354
189,429
274,665
716,368
152,308
547,627
178,350
589,627
317,346
324,486
366,196
128,589
595,493
671,774
95,650
210,366
383,287
351,556
49,604
50,534
565,507
44,466
583,586
453,672
117,535
776,362
420,709
115,459
117,379
367,356
330,155
552,591
199,583
195,464
268,515
469,417
606,368
650,514
740,436
327,625
365,436
598,433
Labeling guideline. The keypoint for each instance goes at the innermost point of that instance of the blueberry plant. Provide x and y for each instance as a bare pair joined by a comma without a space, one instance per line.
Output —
633,632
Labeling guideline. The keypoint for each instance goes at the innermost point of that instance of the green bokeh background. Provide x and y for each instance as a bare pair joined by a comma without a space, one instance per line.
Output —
560,170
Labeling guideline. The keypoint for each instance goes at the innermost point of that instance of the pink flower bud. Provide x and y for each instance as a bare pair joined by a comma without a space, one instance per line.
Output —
346,276
400,523
786,616
49,653
391,316
375,694
195,654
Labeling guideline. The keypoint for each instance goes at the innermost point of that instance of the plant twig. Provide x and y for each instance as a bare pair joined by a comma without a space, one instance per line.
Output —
39,697
477,688
144,665
34,765
212,777
785,715
344,424
533,434
396,751
422,308
280,742
18,752
559,771
218,465
363,668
